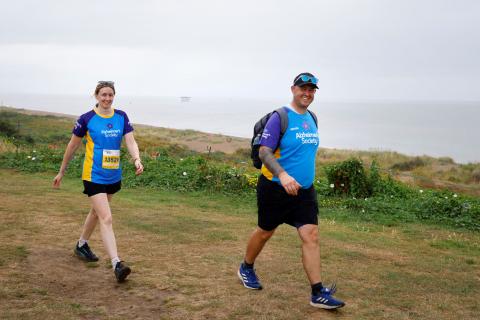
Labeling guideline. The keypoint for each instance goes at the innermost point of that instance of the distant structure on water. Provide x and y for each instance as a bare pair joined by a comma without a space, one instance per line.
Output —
185,99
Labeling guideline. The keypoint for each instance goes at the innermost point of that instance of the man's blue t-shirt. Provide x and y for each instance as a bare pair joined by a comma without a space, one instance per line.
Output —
104,135
297,149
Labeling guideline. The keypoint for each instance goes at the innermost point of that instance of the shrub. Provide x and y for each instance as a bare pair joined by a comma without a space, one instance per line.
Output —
348,178
7,129
446,160
476,175
409,164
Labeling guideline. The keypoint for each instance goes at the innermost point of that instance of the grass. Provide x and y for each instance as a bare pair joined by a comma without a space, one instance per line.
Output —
12,254
184,249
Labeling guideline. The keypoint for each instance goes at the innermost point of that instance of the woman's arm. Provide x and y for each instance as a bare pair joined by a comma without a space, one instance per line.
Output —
72,146
134,153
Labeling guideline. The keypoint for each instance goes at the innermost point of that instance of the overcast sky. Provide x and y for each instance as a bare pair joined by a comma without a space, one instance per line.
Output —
359,49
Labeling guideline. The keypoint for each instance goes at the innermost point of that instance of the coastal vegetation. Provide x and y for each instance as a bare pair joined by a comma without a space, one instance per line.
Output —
367,184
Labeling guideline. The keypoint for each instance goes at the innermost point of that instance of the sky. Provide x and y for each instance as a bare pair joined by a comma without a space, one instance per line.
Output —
359,49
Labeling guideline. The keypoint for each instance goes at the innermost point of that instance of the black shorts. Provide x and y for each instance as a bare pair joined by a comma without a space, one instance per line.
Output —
275,206
92,188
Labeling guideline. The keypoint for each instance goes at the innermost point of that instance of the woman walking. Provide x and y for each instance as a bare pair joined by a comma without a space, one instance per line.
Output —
103,127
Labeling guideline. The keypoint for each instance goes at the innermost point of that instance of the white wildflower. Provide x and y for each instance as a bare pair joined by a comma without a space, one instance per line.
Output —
363,210
33,158
29,157
332,185
455,195
366,199
181,159
446,197
184,173
421,191
34,151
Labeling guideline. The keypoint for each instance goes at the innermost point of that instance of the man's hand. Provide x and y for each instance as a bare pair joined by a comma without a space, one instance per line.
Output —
290,185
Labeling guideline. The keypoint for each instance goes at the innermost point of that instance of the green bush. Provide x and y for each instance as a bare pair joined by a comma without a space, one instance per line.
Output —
348,178
438,207
166,172
7,129
192,173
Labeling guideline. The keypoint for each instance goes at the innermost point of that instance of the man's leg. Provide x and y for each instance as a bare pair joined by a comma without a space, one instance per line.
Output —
256,243
246,272
322,297
310,252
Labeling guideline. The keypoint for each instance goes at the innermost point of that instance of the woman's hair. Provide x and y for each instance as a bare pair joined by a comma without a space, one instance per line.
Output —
104,84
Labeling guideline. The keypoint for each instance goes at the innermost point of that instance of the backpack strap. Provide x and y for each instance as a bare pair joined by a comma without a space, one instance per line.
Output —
282,112
314,116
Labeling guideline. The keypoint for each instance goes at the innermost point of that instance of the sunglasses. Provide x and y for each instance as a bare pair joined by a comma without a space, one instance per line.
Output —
308,79
106,83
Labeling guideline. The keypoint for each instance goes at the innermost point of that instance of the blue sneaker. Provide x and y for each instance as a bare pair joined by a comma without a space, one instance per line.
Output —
249,278
325,299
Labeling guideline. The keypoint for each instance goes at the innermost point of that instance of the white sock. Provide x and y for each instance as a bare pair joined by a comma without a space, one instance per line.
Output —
81,242
115,261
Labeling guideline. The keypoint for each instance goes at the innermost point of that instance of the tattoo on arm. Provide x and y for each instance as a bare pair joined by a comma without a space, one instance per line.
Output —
269,160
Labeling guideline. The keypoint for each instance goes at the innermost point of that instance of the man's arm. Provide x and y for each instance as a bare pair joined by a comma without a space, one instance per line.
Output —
290,185
269,160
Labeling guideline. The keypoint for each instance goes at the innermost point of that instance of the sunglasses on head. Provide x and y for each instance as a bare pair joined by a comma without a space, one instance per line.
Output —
106,83
308,79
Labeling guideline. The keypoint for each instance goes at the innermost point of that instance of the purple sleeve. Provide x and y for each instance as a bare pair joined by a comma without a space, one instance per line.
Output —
127,126
271,132
80,128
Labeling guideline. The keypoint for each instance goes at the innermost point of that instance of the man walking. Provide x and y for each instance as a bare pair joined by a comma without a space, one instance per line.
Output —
285,192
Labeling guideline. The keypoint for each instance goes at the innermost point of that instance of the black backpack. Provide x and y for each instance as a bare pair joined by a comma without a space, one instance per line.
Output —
258,131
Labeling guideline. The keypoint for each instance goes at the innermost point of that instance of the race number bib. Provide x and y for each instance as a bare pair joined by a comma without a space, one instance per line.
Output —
111,159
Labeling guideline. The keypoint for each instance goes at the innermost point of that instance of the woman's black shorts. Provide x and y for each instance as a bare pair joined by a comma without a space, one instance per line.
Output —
92,188
275,206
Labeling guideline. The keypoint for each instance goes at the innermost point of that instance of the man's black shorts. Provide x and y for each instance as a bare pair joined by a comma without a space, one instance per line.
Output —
92,188
275,206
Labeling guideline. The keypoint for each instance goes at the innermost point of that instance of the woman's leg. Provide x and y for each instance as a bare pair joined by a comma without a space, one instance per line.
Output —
101,206
91,222
89,226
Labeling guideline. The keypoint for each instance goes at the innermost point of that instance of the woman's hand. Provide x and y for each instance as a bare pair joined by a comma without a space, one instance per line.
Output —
138,166
57,180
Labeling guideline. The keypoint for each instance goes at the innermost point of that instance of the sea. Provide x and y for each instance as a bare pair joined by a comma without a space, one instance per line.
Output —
438,129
